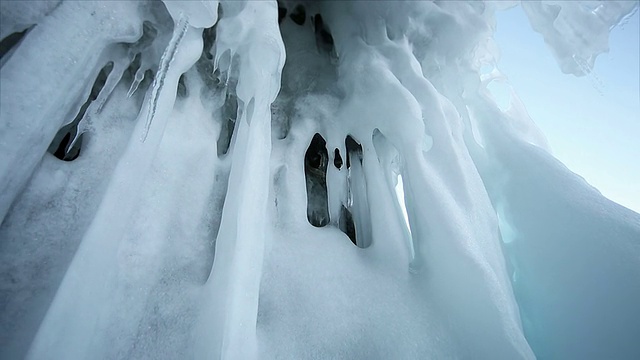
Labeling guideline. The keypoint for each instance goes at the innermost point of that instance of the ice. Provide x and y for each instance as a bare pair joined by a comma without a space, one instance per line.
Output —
578,31
181,26
228,323
200,14
573,253
51,54
262,179
16,16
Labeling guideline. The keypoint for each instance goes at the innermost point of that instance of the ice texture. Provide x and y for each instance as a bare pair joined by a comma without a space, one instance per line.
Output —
577,31
298,179
16,16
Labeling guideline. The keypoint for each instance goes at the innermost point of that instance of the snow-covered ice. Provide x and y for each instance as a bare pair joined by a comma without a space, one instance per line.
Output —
298,179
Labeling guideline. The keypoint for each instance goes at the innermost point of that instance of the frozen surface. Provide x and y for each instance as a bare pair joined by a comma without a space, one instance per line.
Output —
219,180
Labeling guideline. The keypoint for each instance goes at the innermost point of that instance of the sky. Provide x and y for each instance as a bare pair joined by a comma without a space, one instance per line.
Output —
594,133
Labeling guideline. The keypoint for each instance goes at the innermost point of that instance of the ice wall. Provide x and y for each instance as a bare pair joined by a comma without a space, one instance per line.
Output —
204,179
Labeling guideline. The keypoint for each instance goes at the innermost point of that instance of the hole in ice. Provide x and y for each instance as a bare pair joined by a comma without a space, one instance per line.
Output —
353,147
324,40
337,159
63,145
357,201
347,225
11,41
224,140
208,38
65,153
205,65
134,66
282,13
315,169
299,15
182,87
229,115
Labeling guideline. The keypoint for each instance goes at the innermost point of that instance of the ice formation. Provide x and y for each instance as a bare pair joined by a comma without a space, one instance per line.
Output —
204,179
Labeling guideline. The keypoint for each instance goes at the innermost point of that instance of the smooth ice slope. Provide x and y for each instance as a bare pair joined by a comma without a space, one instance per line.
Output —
570,249
203,179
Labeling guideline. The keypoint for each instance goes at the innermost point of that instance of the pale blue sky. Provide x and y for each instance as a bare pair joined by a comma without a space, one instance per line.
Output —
596,134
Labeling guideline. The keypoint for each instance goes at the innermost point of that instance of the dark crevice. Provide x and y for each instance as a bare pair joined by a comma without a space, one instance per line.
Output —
353,148
347,225
149,76
357,202
182,87
229,116
62,146
282,13
209,38
130,73
69,154
315,169
11,41
299,15
324,40
337,159
205,65
224,140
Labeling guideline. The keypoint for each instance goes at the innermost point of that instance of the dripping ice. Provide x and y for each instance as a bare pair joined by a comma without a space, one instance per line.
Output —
299,180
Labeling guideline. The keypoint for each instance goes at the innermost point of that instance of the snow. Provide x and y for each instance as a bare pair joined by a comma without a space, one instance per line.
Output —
182,229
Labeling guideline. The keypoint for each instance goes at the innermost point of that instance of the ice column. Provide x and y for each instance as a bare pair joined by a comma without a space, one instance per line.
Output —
228,321
453,225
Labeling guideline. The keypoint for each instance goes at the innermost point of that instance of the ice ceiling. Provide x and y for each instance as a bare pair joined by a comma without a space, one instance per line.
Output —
204,179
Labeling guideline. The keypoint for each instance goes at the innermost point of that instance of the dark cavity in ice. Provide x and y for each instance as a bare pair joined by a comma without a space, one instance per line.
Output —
324,40
337,159
353,148
315,169
347,225
61,146
182,87
282,13
357,202
299,15
229,115
11,41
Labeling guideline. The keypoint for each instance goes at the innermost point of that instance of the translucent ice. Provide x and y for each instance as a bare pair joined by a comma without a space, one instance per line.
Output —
317,179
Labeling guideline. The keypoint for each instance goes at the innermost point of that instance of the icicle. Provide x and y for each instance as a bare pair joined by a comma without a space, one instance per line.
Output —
587,69
112,82
120,66
136,81
167,57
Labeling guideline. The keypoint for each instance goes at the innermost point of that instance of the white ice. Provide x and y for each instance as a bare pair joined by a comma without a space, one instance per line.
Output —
182,228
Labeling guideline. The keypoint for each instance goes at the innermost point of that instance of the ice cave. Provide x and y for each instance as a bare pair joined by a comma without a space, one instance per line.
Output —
298,180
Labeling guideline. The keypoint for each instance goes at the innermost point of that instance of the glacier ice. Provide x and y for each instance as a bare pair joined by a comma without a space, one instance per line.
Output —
298,179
